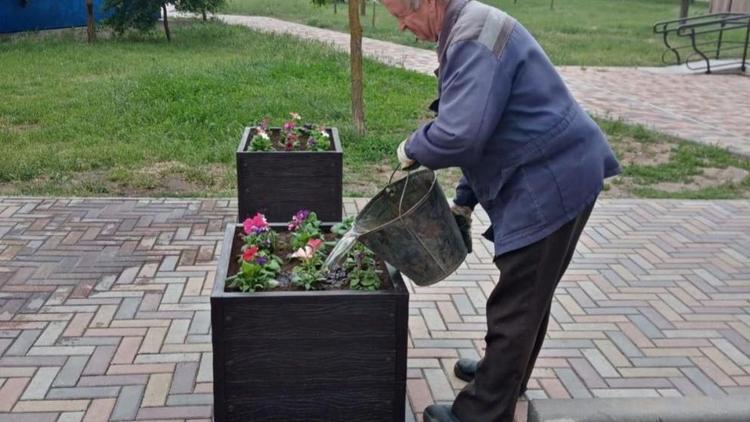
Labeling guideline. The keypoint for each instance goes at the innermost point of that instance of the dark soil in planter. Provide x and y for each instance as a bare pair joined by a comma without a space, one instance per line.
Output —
278,142
336,280
309,180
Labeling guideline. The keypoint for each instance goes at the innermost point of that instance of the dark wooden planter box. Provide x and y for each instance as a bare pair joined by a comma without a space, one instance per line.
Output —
307,356
280,183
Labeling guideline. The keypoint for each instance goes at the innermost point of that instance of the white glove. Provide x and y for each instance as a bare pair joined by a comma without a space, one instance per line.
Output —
406,162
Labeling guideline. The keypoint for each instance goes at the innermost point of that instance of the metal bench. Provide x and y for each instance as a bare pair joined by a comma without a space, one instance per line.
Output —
722,35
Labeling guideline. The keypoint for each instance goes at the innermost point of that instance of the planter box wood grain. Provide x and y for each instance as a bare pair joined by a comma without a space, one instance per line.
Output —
280,183
336,355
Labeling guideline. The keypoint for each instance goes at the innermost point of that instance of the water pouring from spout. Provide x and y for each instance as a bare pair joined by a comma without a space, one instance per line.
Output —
341,250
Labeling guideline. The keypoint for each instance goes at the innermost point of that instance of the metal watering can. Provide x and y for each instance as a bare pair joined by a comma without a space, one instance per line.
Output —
410,225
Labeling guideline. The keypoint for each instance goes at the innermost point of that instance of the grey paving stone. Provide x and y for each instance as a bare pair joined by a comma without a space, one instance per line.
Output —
646,326
600,363
190,399
128,403
439,385
112,380
37,388
201,323
174,412
184,378
128,308
100,360
90,341
83,392
23,343
29,417
662,362
572,383
703,382
4,344
8,361
463,304
70,372
639,383
624,344
443,343
589,375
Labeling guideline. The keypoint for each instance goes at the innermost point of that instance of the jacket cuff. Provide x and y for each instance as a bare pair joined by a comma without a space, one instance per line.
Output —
465,198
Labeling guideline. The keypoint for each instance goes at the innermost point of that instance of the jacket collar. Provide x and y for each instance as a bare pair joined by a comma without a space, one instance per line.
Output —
452,12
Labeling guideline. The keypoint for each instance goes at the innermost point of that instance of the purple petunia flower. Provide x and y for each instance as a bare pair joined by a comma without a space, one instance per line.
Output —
298,219
261,260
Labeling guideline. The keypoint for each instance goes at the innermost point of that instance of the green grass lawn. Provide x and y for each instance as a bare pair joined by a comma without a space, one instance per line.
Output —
138,116
125,110
576,32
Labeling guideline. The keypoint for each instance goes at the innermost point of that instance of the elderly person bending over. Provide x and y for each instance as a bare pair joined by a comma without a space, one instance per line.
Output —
530,156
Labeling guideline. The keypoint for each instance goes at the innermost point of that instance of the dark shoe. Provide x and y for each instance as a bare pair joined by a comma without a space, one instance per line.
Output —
439,413
465,369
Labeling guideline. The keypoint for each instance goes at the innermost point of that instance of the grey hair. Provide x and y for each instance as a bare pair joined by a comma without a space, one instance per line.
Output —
414,4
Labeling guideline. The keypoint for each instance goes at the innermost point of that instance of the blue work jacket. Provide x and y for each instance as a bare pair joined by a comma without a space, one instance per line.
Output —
529,153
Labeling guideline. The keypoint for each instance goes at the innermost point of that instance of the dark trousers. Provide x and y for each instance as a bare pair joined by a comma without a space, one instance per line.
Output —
517,315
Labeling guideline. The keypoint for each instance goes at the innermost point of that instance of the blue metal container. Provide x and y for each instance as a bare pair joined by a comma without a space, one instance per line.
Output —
45,14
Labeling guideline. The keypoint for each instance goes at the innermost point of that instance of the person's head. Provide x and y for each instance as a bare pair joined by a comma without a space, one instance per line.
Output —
422,17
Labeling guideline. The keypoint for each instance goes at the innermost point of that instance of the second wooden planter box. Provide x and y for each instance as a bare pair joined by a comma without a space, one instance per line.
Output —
280,183
337,355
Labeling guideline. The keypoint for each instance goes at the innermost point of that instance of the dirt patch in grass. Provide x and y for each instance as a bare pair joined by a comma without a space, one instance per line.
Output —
157,179
173,179
17,129
631,151
711,178
660,166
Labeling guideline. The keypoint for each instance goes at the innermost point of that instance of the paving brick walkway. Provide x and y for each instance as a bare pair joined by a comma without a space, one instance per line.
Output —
104,308
710,109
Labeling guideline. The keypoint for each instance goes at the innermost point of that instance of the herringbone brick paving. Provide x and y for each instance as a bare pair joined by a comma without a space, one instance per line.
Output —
104,310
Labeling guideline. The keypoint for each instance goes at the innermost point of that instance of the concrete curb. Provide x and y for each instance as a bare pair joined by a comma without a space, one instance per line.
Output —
673,409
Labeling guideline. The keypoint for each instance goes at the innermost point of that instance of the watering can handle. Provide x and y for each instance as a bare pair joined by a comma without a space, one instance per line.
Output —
403,191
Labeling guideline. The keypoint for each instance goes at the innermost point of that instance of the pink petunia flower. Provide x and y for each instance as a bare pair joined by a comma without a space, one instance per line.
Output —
256,224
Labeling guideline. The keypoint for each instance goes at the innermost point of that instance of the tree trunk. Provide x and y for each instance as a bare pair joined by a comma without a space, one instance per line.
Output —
551,4
205,18
166,22
90,30
355,29
684,8
335,7
374,5
363,7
